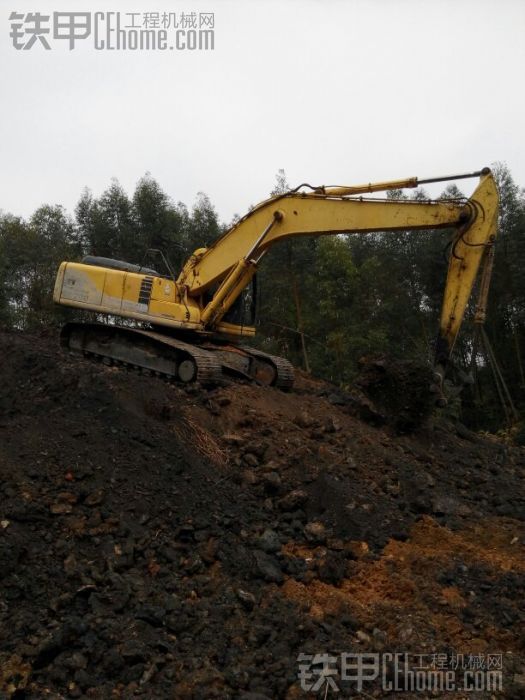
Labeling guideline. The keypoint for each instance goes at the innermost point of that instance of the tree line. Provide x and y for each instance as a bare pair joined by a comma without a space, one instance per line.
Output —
323,302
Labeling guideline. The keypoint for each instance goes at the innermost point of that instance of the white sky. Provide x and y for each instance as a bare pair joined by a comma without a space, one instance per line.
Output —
333,91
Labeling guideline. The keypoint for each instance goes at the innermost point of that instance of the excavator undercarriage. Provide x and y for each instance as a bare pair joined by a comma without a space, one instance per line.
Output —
172,358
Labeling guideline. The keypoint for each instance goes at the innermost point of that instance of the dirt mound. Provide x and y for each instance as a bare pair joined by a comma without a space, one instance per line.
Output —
399,390
164,542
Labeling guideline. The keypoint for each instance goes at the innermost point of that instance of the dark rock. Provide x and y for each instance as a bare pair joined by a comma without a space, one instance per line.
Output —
250,459
272,482
152,614
58,641
133,651
269,542
95,498
337,399
293,500
247,599
331,425
448,505
76,661
332,569
268,568
304,420
315,532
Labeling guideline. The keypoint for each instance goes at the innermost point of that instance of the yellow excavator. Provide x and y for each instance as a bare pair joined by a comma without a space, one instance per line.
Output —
189,327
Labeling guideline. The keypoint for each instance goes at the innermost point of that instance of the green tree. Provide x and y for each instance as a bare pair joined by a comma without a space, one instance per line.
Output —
204,226
105,224
31,253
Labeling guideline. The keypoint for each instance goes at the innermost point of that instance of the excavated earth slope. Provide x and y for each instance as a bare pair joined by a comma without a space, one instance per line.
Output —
168,542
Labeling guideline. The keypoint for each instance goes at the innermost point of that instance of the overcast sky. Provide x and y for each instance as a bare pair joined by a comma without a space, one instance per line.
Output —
334,92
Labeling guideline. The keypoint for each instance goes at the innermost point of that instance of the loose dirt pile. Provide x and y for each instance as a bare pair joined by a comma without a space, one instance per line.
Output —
164,542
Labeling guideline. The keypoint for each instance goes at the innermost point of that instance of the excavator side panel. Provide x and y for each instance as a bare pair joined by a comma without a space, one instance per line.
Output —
130,295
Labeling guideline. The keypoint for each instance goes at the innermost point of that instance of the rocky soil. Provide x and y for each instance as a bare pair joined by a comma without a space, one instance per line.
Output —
168,542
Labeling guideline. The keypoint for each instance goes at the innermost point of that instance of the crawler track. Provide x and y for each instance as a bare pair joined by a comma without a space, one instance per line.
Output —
170,357
283,368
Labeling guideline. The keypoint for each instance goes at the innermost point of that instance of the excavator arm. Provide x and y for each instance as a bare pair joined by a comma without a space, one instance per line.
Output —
230,263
